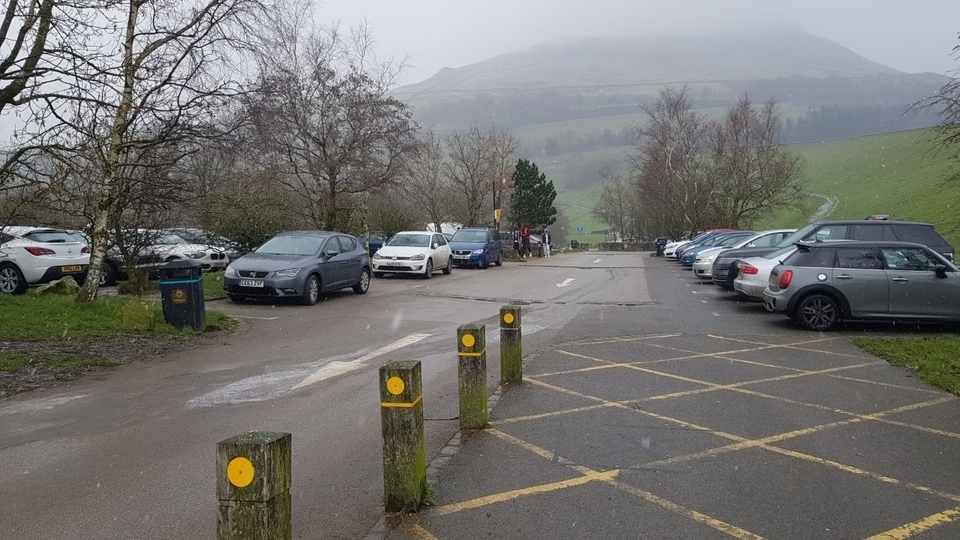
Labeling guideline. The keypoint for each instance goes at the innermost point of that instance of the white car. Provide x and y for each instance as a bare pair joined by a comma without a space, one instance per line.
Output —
165,247
413,252
670,250
755,272
36,255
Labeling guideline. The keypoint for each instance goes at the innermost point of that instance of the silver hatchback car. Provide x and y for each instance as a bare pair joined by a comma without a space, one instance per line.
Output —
825,282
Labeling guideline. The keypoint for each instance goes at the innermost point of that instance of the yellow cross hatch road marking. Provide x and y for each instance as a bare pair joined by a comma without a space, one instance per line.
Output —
919,526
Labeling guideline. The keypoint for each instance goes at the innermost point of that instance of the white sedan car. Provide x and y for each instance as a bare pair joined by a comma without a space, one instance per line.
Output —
413,252
34,256
755,272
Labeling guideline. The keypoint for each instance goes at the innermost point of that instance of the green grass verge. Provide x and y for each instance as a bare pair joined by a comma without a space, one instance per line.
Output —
11,363
33,317
934,359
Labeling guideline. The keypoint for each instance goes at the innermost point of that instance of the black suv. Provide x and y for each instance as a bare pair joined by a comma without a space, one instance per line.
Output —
725,266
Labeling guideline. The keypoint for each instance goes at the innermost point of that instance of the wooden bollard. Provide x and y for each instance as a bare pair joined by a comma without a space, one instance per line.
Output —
404,445
511,350
253,487
472,352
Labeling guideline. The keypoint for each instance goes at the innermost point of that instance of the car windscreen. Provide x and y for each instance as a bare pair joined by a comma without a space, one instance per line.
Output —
409,240
800,234
473,237
52,237
291,245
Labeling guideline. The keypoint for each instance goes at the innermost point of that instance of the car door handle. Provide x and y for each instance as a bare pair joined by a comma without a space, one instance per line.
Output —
900,279
844,276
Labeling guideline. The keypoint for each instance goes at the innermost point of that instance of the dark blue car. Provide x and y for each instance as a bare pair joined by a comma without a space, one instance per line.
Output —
476,246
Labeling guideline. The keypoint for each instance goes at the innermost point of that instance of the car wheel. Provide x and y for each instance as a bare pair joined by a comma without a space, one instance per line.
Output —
483,262
449,268
363,284
428,271
818,312
378,274
311,291
499,259
108,276
12,280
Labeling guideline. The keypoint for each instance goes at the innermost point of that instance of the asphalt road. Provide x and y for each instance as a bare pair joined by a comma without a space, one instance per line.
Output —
131,454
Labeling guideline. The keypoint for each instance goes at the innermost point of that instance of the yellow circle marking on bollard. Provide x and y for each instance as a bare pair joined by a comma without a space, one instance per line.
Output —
508,318
240,472
468,340
395,385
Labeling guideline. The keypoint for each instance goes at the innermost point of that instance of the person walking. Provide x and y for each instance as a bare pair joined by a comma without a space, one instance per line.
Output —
525,242
545,242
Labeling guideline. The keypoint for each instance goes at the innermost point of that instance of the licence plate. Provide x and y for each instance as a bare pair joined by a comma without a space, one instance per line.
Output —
391,263
461,257
71,269
251,283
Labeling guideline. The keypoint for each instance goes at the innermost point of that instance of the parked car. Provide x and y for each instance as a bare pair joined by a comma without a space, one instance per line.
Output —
699,241
376,242
703,266
754,273
202,237
823,283
724,270
723,241
37,255
476,246
299,265
413,252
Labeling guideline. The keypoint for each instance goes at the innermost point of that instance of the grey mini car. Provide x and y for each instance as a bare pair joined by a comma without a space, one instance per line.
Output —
825,282
299,265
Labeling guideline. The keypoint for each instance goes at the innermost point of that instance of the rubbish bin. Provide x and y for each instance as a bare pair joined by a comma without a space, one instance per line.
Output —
574,244
181,292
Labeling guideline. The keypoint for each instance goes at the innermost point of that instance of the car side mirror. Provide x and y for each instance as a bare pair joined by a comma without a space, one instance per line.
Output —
435,245
941,271
331,253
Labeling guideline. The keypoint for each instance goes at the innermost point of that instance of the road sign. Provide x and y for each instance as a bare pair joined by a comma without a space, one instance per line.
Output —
580,229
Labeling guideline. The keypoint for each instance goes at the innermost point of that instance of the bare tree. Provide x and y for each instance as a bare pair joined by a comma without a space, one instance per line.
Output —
946,103
670,162
132,103
480,163
23,40
322,111
425,185
752,174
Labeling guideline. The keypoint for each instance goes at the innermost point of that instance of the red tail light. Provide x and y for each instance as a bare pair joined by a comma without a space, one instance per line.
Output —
785,279
86,249
749,270
38,251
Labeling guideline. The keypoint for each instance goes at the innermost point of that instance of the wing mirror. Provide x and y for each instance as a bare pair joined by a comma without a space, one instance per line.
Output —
940,270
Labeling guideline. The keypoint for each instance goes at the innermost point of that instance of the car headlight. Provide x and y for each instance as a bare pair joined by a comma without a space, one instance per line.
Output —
418,257
230,272
478,251
377,256
288,273
708,258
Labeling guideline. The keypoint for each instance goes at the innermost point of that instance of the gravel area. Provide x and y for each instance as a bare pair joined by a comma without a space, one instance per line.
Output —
121,351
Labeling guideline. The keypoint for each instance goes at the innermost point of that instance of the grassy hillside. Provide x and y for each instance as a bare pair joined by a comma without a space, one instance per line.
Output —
897,174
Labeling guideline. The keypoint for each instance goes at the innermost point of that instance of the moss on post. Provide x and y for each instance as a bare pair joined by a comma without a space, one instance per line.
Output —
511,349
404,444
472,353
253,487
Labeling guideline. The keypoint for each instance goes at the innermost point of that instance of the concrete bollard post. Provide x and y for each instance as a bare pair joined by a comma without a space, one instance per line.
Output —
511,349
404,444
472,351
253,487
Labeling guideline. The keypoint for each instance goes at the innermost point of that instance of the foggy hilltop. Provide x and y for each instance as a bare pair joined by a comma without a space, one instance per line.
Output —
608,77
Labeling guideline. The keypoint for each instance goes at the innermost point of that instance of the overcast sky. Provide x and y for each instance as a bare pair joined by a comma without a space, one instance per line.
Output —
909,35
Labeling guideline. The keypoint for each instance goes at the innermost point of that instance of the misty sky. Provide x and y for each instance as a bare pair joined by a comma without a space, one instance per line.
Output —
909,35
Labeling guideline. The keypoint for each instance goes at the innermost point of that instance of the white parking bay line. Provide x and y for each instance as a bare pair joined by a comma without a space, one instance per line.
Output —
596,261
338,368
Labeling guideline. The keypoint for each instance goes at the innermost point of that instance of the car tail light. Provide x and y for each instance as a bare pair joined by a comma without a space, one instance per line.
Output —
785,279
38,251
86,249
749,270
